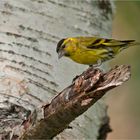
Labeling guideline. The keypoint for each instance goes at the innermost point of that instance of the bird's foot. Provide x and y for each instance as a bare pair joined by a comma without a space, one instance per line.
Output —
99,63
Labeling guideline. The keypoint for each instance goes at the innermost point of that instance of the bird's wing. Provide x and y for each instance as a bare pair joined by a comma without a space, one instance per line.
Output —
102,43
104,46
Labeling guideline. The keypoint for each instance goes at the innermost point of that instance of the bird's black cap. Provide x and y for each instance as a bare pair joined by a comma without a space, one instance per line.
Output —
59,45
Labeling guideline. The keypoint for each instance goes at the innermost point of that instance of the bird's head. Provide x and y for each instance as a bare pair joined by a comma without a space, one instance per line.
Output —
64,48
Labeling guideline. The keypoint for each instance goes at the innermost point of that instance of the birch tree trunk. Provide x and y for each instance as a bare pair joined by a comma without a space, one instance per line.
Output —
30,73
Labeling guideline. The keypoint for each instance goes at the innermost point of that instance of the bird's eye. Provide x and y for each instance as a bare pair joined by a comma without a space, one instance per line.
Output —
63,46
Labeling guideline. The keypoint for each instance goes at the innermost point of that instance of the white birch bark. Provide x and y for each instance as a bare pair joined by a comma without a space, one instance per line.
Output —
30,72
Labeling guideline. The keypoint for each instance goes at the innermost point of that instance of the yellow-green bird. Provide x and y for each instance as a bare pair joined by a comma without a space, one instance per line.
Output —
91,50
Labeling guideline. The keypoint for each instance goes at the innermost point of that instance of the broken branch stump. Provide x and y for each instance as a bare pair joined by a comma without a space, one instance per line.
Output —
74,100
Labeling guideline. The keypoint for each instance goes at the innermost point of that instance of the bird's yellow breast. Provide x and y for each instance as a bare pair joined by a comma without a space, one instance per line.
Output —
87,57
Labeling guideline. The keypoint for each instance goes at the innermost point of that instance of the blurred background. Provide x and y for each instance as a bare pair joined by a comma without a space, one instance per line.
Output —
124,102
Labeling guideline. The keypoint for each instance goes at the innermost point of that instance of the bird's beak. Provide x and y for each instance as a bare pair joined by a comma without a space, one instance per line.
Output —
61,54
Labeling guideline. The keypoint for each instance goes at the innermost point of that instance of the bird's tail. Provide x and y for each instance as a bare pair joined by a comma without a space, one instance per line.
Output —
127,43
130,42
